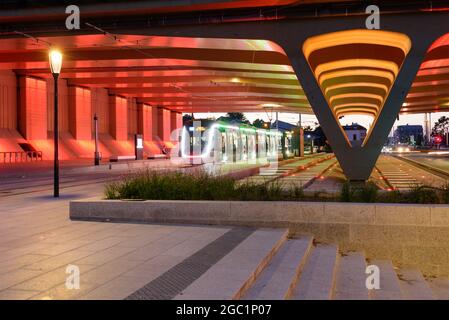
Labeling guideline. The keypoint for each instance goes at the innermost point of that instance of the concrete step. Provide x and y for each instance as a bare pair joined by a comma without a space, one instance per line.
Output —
317,280
236,272
390,288
414,286
351,277
279,278
440,288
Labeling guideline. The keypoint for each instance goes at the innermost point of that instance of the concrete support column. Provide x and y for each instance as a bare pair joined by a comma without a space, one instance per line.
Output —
154,118
118,118
145,121
176,120
163,124
100,106
8,100
32,109
133,116
80,113
298,142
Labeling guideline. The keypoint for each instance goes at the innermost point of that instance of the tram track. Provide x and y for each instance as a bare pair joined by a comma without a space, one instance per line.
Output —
49,187
30,184
402,173
438,172
288,171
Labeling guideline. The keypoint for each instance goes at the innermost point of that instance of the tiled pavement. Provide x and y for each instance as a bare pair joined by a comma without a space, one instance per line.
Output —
38,242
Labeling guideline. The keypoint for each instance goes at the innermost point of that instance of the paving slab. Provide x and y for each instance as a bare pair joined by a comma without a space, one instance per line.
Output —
38,241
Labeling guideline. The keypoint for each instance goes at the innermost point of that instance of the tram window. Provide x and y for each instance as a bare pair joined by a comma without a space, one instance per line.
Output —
223,143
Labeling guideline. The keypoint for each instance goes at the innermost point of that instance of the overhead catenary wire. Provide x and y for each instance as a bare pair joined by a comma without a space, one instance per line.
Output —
136,46
131,45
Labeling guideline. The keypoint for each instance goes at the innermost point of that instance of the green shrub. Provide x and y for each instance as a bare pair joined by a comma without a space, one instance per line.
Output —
422,194
355,192
151,185
444,193
111,191
393,196
346,194
199,185
297,192
258,192
366,193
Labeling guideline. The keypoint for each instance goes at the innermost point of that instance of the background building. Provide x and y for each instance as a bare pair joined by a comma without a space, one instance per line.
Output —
356,133
412,134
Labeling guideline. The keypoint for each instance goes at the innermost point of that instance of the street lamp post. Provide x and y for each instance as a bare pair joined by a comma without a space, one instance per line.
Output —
55,58
97,153
446,134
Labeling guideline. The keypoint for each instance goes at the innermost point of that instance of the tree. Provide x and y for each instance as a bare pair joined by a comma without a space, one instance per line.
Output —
307,128
419,140
187,118
259,123
237,117
320,139
440,126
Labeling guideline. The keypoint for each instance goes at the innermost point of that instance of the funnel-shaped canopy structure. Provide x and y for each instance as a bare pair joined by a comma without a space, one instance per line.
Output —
356,69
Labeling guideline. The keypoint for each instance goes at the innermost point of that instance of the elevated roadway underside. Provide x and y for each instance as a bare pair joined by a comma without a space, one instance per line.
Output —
141,79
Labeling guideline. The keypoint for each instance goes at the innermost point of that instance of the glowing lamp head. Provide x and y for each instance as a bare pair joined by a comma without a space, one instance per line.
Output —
55,58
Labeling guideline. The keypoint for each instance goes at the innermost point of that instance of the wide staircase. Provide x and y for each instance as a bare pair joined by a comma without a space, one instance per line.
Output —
269,266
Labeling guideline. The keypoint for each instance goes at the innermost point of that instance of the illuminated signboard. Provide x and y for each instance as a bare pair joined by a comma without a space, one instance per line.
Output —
138,143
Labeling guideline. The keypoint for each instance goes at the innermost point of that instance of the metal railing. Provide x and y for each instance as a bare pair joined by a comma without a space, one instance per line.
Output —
20,156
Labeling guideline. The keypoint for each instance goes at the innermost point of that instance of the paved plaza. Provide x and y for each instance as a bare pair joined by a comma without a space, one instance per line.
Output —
38,242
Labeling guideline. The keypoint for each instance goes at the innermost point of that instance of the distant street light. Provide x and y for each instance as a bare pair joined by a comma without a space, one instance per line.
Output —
55,58
97,153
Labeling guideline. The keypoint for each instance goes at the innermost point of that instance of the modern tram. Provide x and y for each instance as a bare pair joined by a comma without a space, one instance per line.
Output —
219,142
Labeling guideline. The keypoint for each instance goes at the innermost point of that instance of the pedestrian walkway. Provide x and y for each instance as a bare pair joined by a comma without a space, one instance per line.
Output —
38,242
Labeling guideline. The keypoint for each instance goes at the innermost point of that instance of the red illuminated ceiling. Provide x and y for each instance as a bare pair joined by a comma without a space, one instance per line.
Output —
216,75
183,74
430,90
